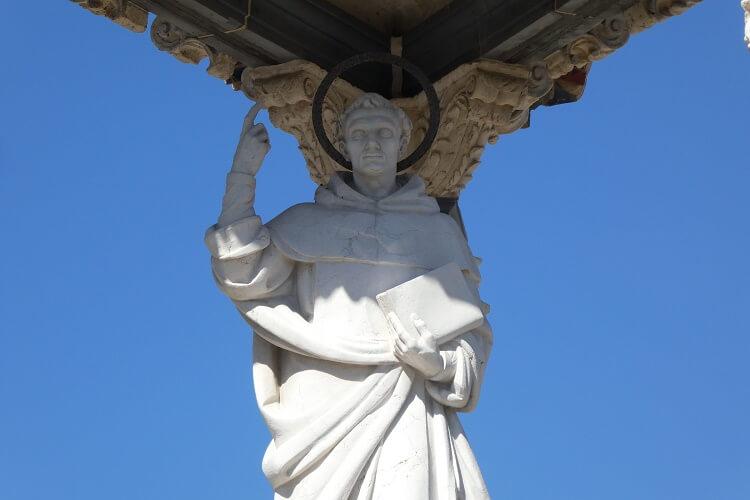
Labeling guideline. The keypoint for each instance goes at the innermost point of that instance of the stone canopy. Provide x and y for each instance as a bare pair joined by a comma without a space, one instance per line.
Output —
491,61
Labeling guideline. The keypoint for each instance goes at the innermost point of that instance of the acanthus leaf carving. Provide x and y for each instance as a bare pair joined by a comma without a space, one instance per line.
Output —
479,101
286,91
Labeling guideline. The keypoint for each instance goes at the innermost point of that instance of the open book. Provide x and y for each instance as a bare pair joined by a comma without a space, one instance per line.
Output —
441,298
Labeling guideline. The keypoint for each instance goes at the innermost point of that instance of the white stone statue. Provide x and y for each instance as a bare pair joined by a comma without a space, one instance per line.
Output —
357,408
746,6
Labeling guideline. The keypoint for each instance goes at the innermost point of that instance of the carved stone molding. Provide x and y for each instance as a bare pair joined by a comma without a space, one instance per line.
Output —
646,13
613,33
122,12
188,49
609,36
479,101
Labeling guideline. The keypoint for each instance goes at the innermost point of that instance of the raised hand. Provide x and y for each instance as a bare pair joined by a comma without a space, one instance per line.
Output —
253,146
419,351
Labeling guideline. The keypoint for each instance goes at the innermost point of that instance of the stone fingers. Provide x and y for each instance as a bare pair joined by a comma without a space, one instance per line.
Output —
250,116
403,339
421,326
259,132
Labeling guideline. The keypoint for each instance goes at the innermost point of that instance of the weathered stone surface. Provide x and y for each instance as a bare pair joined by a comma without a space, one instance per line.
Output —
361,398
479,102
191,49
124,13
613,33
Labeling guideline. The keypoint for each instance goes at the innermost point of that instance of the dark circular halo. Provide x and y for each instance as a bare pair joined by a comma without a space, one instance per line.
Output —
385,58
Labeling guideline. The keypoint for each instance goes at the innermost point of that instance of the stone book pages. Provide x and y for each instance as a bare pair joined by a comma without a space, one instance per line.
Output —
441,298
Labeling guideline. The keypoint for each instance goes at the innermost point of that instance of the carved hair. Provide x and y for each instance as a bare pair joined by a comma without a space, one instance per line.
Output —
376,101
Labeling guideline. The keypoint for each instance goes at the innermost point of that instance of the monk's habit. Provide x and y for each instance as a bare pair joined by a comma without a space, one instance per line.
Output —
348,420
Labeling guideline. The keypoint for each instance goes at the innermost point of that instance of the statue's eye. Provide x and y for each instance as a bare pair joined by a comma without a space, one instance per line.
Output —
386,133
357,134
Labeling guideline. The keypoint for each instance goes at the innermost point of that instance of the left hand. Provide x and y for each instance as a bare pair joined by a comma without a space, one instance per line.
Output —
418,351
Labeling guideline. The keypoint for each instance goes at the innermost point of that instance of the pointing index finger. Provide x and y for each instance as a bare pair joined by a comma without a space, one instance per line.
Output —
250,116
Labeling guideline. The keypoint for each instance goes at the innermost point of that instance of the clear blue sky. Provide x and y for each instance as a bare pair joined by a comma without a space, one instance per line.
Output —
615,234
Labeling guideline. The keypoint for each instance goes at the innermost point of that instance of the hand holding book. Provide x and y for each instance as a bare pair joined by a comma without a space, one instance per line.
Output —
418,350
442,300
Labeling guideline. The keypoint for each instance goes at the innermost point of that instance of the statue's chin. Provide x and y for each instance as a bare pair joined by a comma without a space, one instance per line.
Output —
374,169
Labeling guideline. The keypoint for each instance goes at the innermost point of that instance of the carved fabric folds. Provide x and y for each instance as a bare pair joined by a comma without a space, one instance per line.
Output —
347,420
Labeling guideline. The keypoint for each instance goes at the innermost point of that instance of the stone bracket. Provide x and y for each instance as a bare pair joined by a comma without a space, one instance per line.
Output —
478,101
613,33
168,37
123,12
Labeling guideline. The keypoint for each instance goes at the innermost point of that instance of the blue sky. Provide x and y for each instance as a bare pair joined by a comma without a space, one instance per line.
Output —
615,235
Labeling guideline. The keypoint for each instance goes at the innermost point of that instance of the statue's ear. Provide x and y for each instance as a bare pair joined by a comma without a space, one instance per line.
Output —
403,145
342,149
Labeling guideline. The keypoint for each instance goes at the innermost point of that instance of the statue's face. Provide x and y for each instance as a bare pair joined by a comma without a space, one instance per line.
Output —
372,139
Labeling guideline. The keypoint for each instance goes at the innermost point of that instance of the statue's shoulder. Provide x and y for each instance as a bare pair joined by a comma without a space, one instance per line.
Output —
309,232
294,212
302,214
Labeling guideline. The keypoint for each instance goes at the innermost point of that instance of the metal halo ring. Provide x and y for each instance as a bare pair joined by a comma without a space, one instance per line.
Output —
385,58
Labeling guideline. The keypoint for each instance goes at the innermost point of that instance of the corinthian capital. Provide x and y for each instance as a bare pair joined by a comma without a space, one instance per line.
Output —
478,102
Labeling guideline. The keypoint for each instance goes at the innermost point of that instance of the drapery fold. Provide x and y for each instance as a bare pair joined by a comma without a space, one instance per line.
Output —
382,430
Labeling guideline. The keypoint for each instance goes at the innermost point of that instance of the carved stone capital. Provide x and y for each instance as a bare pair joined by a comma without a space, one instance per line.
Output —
286,91
122,12
189,49
479,101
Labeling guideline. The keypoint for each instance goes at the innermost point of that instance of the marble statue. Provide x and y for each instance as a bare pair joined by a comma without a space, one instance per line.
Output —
746,7
358,407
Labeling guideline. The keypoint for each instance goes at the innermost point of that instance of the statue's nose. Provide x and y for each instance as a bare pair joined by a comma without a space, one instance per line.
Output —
371,143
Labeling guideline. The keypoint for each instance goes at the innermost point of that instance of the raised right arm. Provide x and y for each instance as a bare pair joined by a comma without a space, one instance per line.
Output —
245,263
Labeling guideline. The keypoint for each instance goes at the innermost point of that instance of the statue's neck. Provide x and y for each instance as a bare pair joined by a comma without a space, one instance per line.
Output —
375,188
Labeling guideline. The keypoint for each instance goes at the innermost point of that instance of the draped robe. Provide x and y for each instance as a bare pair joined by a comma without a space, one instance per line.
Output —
347,419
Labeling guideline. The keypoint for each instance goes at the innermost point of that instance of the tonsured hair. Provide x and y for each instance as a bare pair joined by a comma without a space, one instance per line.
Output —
375,101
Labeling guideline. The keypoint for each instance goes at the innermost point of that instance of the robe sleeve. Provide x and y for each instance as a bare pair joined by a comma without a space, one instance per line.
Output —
464,359
246,264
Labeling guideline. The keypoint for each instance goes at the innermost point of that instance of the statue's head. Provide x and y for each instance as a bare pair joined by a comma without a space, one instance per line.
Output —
375,134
